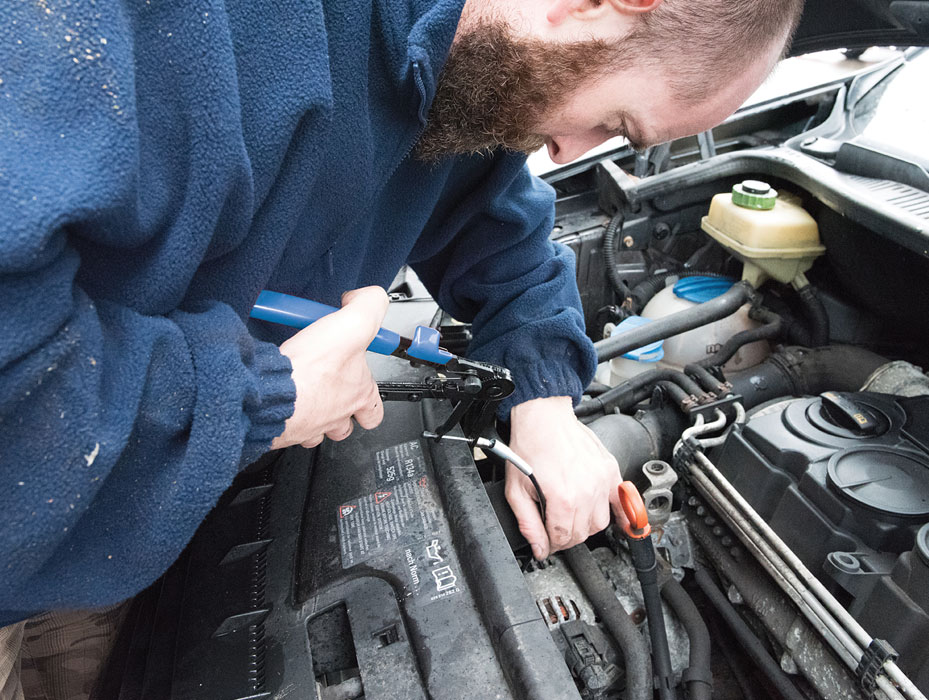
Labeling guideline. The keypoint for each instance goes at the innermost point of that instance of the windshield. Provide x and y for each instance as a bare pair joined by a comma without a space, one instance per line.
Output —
894,117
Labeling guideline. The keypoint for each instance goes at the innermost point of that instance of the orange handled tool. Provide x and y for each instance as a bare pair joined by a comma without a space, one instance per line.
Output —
634,512
634,521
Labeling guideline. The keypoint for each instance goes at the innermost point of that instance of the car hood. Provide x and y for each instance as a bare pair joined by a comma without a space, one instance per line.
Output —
839,24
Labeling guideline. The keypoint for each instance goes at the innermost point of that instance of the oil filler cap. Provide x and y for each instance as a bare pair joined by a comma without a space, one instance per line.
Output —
846,412
754,194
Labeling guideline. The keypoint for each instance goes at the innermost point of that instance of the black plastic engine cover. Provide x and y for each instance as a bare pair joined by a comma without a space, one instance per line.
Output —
825,487
376,562
844,481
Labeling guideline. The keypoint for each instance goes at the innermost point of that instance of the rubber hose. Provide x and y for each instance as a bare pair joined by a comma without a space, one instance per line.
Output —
676,323
629,440
614,616
805,371
723,641
772,328
643,292
597,389
646,568
618,395
678,395
635,440
816,312
609,254
699,676
707,380
750,643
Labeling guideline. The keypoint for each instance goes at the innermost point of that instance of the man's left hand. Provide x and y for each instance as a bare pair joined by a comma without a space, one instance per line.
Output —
578,477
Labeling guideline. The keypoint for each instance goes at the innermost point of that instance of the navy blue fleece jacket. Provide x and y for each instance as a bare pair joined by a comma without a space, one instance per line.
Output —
163,161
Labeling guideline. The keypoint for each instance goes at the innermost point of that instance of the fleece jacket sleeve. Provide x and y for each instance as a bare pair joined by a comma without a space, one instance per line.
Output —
118,429
118,432
502,272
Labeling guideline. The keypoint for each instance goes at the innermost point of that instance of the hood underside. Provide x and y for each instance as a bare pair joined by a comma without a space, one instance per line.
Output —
835,24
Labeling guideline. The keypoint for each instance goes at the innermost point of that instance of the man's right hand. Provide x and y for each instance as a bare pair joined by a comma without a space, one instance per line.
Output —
332,377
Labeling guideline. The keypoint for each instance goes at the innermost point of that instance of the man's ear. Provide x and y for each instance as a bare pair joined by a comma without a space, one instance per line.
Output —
634,6
560,10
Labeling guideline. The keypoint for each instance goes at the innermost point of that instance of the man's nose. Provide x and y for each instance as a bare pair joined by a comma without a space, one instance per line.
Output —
564,149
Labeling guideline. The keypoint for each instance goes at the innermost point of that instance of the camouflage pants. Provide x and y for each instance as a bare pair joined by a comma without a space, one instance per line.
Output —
56,655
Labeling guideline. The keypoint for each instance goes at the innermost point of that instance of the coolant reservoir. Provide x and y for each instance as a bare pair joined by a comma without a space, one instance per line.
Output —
638,360
774,236
695,345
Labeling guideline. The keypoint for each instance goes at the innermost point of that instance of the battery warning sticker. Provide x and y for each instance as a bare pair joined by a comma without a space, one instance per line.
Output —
433,570
402,511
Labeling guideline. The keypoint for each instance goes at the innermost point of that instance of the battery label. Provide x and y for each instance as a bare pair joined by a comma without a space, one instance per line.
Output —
399,463
402,511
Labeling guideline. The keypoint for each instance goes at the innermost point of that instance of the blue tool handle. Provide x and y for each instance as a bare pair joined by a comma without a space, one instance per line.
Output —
299,313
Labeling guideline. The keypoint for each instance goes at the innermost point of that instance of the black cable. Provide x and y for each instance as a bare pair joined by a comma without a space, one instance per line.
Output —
613,229
735,659
749,642
538,491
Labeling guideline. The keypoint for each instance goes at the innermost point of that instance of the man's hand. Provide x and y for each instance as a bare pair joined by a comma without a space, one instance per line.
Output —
579,478
331,374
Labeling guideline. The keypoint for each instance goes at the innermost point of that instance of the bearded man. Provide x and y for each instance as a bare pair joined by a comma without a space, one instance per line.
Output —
163,162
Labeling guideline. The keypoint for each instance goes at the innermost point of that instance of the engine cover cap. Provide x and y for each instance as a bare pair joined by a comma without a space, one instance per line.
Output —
888,480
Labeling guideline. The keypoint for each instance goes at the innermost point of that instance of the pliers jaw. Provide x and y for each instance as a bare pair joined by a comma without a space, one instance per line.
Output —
476,388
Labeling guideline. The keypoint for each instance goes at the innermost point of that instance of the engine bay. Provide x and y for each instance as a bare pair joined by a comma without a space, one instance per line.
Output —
805,503
761,324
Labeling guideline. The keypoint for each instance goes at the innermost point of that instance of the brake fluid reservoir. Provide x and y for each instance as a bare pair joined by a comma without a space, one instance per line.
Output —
773,235
695,345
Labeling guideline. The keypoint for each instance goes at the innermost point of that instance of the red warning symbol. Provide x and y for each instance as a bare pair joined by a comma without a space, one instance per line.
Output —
381,496
346,510
422,482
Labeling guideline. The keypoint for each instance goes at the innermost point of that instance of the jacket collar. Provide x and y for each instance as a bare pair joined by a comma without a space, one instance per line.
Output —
425,29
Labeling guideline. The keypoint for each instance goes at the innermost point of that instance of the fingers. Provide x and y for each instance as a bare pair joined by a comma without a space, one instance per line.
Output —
524,507
569,521
371,412
600,517
560,521
341,431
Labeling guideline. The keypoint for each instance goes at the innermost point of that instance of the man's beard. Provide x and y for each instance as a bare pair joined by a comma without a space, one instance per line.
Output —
495,90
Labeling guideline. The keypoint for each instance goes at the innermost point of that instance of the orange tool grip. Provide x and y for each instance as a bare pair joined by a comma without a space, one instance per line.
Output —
636,525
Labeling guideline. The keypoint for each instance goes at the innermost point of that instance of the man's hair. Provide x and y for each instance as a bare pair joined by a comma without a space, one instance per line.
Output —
702,41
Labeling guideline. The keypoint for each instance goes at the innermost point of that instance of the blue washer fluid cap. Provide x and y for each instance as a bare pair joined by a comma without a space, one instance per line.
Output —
701,289
647,353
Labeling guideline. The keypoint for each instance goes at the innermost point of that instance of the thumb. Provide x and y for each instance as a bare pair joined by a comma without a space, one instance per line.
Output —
526,510
366,307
